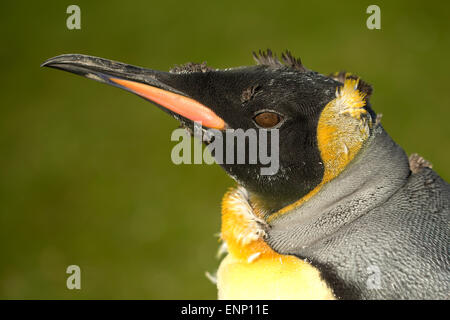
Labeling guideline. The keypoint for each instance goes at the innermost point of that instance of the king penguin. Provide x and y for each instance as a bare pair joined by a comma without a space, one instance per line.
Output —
347,215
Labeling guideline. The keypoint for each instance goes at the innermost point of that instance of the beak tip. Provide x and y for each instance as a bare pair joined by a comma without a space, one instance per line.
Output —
49,62
61,59
46,63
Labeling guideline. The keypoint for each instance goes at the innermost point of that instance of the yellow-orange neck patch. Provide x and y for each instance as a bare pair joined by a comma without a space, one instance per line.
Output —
242,231
253,270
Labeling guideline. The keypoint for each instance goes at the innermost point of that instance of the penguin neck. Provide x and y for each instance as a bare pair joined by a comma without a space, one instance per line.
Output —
374,175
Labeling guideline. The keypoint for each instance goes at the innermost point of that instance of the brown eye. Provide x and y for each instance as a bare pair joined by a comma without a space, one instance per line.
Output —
267,119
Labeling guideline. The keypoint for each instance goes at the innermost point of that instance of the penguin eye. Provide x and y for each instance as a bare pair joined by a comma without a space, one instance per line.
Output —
267,119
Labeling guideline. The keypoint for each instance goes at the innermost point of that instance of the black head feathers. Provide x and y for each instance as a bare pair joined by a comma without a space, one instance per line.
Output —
191,67
268,58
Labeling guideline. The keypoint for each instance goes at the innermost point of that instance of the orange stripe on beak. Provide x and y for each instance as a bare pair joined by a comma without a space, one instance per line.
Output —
184,106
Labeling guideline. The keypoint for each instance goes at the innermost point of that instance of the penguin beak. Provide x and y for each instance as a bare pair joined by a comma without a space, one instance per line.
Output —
149,84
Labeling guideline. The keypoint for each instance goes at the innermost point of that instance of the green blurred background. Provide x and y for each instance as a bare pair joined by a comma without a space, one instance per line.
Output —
85,170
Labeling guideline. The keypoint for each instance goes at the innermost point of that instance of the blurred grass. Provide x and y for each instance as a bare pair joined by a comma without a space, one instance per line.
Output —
85,170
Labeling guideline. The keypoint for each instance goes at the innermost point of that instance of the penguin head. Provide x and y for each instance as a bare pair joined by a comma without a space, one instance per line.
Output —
321,121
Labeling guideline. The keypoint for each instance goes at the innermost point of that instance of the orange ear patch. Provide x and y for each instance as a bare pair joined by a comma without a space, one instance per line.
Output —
343,127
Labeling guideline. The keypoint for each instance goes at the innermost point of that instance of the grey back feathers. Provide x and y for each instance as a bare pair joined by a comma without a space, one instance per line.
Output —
377,219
